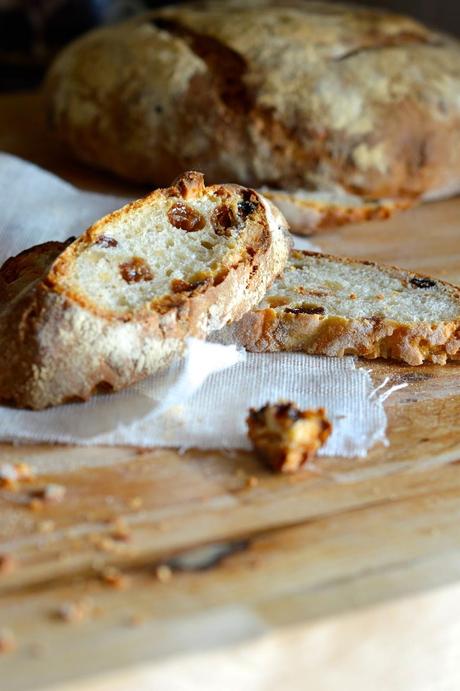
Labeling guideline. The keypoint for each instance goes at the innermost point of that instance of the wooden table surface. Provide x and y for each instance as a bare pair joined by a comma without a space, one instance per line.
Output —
223,583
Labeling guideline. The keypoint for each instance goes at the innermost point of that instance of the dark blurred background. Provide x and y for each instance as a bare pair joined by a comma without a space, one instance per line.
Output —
32,31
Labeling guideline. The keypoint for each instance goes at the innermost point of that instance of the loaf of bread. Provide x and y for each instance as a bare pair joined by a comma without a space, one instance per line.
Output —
294,96
328,305
116,305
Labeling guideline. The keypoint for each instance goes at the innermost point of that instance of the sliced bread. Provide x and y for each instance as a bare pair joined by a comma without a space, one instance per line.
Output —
116,304
311,212
333,306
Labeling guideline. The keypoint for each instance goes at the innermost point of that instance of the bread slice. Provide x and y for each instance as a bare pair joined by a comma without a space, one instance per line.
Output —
333,306
116,304
311,212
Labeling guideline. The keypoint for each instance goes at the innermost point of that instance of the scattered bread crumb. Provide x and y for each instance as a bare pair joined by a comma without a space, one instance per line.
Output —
11,474
107,543
24,471
51,492
120,530
252,481
164,573
286,437
7,564
8,476
115,578
74,612
47,494
7,641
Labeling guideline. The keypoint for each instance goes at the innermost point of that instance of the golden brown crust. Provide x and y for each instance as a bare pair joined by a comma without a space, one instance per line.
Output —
293,95
271,330
285,437
58,346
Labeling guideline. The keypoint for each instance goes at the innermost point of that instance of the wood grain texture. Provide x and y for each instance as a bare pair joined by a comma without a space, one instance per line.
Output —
282,561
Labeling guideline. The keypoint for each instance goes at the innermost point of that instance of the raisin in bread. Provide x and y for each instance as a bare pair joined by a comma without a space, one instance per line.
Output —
116,304
333,306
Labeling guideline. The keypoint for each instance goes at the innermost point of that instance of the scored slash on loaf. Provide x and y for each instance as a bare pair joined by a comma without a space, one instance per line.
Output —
325,305
117,304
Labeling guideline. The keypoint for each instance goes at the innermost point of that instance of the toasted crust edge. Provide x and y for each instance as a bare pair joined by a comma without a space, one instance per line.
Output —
266,330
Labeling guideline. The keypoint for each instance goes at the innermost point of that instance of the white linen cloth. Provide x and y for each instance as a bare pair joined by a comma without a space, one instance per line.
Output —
200,402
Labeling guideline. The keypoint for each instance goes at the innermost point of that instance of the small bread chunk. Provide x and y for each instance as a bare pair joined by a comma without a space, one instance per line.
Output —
117,304
325,305
286,437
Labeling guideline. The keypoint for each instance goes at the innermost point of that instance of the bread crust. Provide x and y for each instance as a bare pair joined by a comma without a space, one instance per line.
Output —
297,95
58,347
269,330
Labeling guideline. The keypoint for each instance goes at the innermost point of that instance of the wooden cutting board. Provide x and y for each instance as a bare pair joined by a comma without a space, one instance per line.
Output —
214,551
